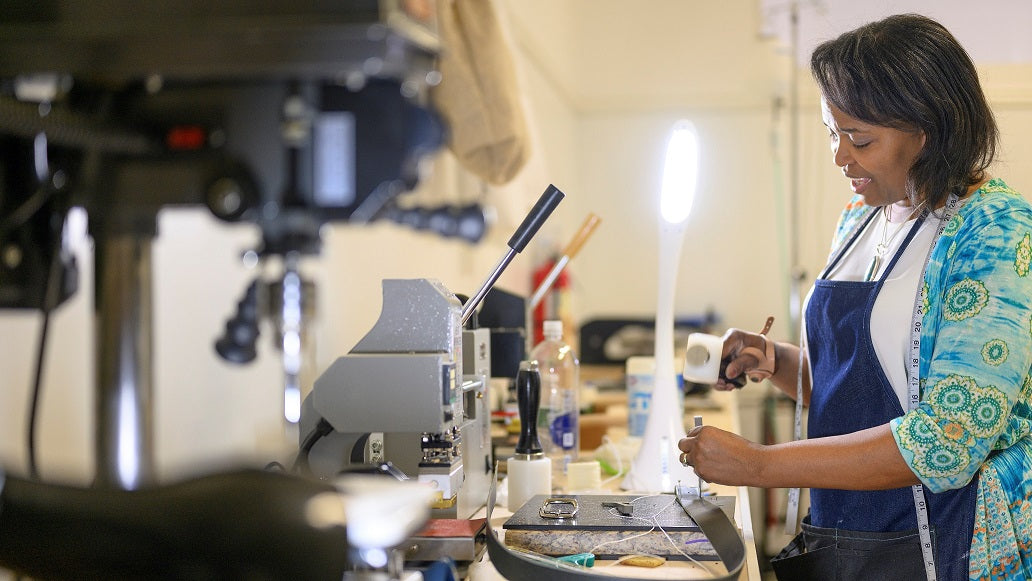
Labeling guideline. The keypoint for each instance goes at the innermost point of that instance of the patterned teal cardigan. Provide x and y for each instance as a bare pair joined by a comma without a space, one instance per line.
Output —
976,354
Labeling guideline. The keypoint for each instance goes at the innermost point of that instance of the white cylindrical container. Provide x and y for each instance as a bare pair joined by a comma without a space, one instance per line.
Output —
529,475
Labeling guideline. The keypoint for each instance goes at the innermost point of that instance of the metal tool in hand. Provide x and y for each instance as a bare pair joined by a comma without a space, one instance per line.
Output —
684,462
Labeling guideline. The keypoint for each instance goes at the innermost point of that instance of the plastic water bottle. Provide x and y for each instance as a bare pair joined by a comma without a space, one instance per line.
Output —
559,414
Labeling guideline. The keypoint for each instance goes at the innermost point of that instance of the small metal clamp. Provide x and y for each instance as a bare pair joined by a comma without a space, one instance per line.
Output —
558,507
624,508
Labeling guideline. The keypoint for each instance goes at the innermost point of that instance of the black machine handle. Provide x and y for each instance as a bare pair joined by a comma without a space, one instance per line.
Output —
544,207
527,229
528,400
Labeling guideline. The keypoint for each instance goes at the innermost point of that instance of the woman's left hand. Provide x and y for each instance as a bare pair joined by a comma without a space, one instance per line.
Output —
722,457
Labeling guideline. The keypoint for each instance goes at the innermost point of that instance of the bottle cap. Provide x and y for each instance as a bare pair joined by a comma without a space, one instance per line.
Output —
553,329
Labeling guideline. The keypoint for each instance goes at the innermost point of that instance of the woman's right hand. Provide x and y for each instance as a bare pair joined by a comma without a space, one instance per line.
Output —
744,355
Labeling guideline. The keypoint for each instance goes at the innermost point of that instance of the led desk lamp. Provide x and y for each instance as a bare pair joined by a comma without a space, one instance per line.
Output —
656,467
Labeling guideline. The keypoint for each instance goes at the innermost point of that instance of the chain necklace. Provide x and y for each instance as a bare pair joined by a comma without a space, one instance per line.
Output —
882,247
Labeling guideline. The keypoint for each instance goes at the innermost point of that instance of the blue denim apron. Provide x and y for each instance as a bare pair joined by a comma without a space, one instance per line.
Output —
851,393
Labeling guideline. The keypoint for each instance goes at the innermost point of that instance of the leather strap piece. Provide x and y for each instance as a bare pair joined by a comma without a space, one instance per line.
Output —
520,566
767,362
720,531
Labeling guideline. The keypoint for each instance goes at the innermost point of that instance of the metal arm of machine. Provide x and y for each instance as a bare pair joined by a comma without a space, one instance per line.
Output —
527,229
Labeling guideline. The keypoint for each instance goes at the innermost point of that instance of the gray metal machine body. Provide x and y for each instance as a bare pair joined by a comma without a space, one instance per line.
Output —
412,392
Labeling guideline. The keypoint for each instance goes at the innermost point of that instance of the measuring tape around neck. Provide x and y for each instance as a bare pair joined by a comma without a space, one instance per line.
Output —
914,384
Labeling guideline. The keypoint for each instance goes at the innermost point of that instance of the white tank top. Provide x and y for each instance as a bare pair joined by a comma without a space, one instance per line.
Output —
893,309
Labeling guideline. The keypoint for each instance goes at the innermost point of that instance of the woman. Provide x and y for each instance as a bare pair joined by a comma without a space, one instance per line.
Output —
927,226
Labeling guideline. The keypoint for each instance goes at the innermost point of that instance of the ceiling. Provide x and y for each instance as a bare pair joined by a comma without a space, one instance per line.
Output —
612,55
992,31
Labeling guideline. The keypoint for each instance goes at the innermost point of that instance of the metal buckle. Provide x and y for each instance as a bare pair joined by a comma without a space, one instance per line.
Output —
558,508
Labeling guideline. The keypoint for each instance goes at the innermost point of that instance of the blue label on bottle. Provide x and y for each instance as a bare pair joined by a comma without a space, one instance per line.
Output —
638,412
639,396
564,431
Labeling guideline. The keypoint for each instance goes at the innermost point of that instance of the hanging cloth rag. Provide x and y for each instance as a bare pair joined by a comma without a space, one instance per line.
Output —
478,95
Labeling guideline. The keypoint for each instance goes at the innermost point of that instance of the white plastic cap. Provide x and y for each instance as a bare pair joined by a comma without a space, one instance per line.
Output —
553,329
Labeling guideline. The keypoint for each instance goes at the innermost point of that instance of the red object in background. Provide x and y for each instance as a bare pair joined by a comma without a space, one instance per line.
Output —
548,307
186,137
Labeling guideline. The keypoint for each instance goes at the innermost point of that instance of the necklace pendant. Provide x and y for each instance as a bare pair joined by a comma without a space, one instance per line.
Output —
872,269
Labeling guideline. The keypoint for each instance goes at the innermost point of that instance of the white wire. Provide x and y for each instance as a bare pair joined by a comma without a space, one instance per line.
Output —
606,441
653,520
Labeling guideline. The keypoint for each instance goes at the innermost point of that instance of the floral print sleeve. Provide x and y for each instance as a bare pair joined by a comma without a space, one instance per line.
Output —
851,215
976,344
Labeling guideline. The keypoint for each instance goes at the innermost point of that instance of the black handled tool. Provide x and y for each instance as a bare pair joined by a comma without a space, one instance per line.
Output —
528,400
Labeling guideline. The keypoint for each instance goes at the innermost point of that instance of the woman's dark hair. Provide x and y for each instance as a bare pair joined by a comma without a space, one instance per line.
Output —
908,72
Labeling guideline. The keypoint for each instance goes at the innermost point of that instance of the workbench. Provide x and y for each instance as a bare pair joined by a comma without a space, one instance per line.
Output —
719,409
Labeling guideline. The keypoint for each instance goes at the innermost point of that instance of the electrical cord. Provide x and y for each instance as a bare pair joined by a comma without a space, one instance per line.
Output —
301,460
358,450
50,297
37,384
21,215
34,398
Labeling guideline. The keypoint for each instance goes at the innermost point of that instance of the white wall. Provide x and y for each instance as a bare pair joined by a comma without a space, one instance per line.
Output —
634,70
628,73
734,209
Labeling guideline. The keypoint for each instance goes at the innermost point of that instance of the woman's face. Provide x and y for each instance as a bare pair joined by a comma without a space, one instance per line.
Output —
875,158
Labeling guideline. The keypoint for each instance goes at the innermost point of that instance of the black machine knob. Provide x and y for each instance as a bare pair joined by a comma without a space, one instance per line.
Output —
528,400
